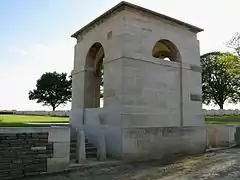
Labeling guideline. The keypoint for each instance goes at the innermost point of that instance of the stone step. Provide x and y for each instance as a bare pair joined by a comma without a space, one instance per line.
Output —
91,154
89,145
90,149
74,146
73,142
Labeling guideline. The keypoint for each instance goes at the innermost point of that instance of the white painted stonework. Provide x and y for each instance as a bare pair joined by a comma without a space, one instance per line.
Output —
152,107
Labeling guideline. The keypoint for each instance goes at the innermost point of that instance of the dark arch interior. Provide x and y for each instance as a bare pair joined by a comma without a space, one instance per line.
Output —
166,50
94,62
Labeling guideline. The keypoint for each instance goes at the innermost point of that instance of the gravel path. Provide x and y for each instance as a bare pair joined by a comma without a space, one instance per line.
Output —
219,165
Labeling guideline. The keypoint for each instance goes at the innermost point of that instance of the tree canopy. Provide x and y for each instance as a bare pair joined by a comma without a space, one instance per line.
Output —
220,78
52,89
234,43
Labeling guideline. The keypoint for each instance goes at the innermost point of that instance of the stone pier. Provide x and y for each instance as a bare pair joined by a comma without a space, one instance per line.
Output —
152,84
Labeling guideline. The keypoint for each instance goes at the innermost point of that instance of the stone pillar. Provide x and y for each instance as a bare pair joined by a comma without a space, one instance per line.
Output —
101,149
78,89
81,153
207,138
97,93
85,94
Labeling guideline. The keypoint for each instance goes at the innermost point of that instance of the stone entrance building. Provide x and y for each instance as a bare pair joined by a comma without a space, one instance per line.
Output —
152,84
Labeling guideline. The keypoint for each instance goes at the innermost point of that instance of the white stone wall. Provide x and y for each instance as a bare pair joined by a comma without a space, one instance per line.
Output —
60,137
141,33
44,113
158,81
141,91
161,142
151,94
112,75
220,135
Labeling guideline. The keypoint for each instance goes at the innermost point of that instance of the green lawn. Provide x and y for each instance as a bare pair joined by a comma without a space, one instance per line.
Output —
20,120
222,122
223,117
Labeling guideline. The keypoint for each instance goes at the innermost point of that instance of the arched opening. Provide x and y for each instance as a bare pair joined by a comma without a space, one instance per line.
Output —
166,50
94,76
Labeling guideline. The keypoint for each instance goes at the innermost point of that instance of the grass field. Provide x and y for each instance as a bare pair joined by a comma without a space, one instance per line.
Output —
222,119
20,120
222,122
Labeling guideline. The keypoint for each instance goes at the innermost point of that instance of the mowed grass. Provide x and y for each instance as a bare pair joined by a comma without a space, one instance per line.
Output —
227,119
222,122
22,120
223,117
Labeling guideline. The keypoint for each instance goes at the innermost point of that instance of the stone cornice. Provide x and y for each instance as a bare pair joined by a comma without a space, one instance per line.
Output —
125,5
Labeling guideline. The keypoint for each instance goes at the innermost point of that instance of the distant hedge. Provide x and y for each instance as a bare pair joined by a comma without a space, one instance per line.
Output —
6,112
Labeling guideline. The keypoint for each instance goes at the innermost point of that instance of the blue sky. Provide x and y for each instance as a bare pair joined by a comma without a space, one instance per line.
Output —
35,36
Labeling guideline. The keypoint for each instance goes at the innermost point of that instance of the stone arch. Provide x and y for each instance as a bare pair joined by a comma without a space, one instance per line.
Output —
94,75
166,50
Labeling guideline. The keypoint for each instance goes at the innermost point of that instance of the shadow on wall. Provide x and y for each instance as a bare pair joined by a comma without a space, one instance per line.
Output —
237,136
222,135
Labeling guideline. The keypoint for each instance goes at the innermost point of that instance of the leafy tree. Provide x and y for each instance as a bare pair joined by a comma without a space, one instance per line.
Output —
220,78
52,89
234,43
101,69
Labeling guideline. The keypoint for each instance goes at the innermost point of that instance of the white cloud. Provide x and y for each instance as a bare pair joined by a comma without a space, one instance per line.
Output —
16,50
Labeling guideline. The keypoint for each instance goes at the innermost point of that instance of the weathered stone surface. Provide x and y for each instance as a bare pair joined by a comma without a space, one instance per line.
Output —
101,149
59,134
143,93
222,165
21,155
158,142
61,149
81,153
57,164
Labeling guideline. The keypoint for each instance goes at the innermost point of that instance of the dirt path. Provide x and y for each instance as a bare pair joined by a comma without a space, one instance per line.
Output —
220,165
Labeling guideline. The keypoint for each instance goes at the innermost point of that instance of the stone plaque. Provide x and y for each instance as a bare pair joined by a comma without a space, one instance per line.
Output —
196,97
39,148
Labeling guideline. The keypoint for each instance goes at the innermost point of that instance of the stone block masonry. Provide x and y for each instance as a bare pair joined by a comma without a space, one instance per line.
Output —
152,84
23,154
29,151
162,142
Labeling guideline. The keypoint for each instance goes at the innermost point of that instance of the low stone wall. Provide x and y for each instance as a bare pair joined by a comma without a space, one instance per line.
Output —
44,113
222,135
221,112
32,150
212,112
162,142
151,142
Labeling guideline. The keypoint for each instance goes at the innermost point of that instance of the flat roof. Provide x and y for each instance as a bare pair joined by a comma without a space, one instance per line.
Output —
123,5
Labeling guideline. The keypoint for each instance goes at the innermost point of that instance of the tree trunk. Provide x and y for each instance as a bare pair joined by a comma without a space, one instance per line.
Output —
221,105
53,107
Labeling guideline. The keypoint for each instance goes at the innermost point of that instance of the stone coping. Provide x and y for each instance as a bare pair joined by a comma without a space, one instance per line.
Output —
126,5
